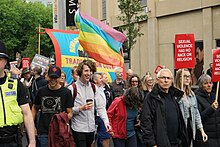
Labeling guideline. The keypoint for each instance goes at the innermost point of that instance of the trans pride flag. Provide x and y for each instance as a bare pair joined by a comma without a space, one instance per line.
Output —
100,41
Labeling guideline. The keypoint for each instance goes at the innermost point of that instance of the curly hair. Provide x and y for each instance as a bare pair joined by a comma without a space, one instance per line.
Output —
89,63
133,97
92,65
74,68
139,81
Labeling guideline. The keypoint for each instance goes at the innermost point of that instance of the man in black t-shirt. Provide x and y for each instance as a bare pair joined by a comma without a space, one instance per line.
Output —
14,107
51,99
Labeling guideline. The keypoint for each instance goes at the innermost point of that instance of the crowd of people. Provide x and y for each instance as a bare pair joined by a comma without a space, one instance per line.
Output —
148,111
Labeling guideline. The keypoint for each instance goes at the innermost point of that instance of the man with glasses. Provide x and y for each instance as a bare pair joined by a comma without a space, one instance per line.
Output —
118,85
161,120
51,99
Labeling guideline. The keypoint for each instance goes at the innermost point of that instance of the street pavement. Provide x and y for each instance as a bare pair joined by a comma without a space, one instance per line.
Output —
24,142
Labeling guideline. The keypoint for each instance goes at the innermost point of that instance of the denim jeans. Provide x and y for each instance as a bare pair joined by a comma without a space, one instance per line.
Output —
42,140
129,142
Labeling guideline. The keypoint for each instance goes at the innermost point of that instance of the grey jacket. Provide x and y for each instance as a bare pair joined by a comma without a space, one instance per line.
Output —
84,121
196,118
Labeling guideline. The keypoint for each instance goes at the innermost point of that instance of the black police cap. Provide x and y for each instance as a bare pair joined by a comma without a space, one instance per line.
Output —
3,50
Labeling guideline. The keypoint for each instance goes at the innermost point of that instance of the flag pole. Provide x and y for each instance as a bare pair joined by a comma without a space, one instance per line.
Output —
182,80
216,96
39,39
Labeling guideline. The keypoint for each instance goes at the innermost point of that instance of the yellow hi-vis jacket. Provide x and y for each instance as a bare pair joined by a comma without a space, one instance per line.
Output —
10,112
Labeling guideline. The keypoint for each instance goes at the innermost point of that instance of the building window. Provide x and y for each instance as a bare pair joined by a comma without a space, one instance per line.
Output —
143,3
103,9
218,43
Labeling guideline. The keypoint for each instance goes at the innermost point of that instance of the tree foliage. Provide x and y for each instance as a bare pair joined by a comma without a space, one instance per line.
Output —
131,15
19,22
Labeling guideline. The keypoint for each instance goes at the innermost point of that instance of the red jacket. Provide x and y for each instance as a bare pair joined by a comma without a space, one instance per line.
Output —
117,115
59,131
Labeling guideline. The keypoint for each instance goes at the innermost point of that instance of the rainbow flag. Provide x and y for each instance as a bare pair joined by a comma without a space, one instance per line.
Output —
100,41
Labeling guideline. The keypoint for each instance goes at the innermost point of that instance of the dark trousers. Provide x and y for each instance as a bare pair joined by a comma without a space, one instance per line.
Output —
83,139
11,141
176,145
13,144
190,131
209,143
129,142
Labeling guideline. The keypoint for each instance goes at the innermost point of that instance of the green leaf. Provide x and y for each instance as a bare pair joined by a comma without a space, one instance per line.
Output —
18,27
131,15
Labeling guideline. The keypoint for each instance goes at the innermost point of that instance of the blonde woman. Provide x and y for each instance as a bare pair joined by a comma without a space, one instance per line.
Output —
148,84
188,105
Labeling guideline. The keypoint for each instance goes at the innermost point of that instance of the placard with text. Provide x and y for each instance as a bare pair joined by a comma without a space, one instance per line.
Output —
41,61
184,51
25,62
216,65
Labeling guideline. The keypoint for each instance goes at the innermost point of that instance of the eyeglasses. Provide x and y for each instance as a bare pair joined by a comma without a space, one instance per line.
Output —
134,81
150,80
187,76
164,78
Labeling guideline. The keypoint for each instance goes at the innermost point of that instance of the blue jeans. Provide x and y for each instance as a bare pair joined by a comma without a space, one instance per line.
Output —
42,140
101,132
129,142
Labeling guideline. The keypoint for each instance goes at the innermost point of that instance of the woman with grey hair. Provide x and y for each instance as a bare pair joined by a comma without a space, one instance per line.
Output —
210,113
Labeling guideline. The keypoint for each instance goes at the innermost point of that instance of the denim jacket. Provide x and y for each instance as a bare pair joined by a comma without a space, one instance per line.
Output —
196,118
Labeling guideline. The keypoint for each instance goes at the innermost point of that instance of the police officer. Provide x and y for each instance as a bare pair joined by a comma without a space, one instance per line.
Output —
14,107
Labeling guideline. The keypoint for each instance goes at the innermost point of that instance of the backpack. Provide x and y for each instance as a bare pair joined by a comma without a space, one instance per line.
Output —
94,90
75,89
60,134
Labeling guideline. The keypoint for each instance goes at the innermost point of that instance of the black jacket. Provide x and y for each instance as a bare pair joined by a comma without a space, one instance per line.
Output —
118,89
109,95
153,119
36,84
210,117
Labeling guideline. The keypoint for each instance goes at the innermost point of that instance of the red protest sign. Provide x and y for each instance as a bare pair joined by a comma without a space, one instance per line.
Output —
216,65
25,62
184,51
158,68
